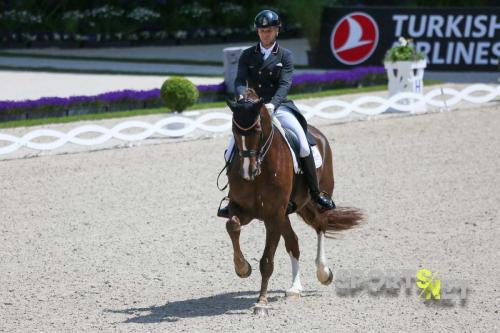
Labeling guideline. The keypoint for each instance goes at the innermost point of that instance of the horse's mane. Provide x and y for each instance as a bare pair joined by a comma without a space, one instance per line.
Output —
251,95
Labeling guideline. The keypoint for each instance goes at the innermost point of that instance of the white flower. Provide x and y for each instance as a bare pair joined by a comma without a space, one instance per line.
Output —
403,41
142,14
180,34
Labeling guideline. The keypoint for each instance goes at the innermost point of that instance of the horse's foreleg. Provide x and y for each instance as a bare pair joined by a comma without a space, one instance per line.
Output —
273,236
323,273
292,247
241,266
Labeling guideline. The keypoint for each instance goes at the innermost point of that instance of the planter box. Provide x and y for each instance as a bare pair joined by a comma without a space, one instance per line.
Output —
406,76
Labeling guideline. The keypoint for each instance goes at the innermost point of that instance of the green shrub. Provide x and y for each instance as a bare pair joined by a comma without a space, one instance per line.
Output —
405,51
178,93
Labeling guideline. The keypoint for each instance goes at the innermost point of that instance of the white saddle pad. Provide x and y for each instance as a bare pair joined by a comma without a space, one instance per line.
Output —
318,160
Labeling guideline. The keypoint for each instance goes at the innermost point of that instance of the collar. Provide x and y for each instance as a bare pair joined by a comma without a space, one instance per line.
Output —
259,50
266,50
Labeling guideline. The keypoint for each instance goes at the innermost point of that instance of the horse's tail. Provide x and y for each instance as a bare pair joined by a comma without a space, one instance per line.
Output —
342,218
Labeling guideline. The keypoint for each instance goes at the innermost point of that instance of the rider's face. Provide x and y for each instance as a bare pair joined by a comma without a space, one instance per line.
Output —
268,35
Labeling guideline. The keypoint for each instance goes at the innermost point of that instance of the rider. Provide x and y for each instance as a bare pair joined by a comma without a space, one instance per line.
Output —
268,69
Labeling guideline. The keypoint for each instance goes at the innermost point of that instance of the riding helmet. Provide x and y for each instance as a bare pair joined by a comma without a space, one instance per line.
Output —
267,18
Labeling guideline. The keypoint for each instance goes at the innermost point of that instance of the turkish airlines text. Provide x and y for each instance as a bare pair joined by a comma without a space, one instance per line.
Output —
453,39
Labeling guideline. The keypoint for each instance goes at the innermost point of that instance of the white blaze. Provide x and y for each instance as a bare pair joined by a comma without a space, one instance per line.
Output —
246,161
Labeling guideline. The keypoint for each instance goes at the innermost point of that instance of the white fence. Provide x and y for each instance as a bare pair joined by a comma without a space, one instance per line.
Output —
405,102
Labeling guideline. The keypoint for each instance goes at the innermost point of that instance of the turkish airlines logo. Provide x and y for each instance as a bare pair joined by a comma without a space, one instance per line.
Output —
354,38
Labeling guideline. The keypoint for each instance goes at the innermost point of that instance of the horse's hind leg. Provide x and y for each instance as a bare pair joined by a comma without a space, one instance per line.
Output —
292,247
241,266
312,217
323,272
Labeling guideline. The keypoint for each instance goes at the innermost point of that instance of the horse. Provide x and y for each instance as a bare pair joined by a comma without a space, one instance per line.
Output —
262,181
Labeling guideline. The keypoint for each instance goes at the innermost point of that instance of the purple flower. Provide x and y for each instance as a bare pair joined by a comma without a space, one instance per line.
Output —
221,87
106,98
348,76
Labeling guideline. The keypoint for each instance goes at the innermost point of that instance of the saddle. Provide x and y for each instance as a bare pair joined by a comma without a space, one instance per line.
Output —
293,143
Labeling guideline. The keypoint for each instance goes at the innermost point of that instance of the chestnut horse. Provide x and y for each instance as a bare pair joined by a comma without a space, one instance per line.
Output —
261,182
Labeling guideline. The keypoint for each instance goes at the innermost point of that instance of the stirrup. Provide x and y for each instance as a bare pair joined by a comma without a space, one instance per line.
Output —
223,212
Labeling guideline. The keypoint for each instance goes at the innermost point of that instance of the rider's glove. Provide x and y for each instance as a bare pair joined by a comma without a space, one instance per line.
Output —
269,107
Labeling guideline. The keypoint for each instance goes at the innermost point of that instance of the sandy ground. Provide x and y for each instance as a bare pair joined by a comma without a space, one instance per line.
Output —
126,239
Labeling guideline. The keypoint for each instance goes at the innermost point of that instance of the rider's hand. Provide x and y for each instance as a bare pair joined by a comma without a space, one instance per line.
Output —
269,107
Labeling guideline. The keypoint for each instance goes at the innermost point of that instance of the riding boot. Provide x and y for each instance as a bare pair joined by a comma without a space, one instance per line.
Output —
224,211
309,169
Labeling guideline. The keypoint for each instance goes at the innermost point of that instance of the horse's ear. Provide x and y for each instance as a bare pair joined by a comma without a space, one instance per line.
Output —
231,104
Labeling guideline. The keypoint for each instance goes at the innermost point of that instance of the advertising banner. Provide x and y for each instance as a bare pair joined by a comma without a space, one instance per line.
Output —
462,39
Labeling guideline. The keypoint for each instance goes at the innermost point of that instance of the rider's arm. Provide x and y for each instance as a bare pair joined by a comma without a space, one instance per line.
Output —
285,80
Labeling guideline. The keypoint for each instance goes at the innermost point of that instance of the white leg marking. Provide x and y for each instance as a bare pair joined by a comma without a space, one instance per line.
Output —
322,271
246,161
296,285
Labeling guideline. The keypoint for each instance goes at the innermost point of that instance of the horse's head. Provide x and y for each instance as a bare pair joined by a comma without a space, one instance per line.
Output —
247,131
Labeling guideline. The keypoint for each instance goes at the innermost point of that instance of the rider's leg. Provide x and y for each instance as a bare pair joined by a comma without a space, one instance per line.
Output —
288,120
224,211
230,147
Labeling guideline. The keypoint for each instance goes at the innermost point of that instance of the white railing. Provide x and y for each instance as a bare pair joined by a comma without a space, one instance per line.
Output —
405,102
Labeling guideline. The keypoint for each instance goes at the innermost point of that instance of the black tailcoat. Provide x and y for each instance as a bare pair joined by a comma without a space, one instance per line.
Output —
270,78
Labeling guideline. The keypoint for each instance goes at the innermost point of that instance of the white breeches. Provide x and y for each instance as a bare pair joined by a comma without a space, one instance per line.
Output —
287,120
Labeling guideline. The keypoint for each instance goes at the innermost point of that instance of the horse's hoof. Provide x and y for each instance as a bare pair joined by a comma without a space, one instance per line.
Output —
330,278
247,273
292,294
261,310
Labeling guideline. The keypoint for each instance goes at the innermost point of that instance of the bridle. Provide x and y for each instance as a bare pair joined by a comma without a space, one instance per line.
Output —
264,145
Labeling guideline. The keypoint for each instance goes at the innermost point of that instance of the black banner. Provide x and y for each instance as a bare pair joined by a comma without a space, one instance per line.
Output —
462,39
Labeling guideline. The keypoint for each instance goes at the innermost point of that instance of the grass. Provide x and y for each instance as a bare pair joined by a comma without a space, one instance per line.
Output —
199,106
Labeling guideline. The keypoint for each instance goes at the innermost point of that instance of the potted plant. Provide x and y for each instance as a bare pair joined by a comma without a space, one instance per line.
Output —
178,93
405,68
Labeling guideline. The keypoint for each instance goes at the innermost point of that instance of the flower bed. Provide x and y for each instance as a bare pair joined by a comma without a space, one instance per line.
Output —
140,99
361,76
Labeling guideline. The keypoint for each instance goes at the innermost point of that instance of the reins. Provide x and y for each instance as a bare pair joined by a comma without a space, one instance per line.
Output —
260,154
